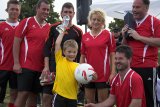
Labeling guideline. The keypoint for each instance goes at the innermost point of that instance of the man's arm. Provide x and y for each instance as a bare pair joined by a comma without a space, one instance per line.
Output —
82,59
16,51
47,49
46,64
149,41
136,103
110,101
113,68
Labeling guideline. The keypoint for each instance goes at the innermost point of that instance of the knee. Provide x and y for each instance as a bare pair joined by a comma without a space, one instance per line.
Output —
47,98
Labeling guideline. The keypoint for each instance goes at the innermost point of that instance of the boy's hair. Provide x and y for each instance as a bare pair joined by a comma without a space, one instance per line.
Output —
67,5
126,50
70,43
12,2
40,2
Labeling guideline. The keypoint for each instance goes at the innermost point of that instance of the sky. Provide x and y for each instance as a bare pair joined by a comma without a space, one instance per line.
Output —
57,3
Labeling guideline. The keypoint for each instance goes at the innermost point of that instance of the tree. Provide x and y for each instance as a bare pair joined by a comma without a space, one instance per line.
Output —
28,10
118,23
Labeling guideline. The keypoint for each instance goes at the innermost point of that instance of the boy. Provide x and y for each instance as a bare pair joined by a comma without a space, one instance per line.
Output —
65,85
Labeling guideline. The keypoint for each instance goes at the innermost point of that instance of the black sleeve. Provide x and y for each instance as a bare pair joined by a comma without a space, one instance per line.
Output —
49,42
79,45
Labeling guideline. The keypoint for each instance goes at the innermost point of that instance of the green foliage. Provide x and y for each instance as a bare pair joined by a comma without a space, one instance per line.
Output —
28,10
118,23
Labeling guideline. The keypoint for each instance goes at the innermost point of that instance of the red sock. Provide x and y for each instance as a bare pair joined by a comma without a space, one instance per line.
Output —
11,105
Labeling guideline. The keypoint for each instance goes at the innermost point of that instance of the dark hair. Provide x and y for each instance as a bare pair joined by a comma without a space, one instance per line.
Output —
126,50
116,29
67,5
12,2
40,2
146,2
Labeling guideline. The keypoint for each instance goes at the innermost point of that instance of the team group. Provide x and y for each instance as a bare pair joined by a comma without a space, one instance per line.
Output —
125,75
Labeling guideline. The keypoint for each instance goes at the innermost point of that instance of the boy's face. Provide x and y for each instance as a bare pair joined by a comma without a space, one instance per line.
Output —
70,53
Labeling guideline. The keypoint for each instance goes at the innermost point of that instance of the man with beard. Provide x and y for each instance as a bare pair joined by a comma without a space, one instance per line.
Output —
127,86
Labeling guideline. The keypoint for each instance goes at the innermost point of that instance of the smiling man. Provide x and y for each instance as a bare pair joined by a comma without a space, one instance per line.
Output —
127,87
28,46
145,47
7,30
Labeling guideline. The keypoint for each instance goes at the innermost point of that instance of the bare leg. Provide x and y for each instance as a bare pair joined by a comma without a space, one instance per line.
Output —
102,94
21,98
32,100
13,95
47,100
90,95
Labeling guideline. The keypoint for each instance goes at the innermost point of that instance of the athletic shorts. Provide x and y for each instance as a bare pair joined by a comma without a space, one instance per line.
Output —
97,85
59,101
47,89
10,76
28,80
5,77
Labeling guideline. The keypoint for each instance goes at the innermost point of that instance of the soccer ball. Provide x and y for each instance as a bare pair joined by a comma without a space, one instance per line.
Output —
84,73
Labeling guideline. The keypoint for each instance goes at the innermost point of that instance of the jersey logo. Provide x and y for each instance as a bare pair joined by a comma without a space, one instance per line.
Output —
6,29
149,78
117,84
87,39
34,26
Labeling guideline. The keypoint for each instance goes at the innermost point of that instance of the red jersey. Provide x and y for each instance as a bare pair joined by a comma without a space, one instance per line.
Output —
131,87
143,54
97,52
34,36
7,31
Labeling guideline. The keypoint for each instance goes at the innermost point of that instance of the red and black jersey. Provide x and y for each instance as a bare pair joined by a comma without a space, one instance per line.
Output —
33,39
73,32
7,31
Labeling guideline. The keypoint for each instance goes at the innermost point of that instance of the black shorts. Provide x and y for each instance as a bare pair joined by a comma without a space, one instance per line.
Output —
97,85
28,80
59,101
6,76
47,89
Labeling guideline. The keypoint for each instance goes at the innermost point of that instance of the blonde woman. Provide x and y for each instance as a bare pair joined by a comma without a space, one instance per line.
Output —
98,46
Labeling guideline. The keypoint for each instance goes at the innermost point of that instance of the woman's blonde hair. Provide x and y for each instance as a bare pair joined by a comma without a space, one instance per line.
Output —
98,12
